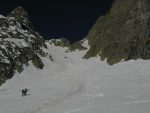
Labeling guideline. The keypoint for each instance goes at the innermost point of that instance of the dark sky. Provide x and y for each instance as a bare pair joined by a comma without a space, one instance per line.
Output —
71,19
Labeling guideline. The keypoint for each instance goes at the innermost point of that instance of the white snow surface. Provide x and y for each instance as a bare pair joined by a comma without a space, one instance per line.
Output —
71,84
1,16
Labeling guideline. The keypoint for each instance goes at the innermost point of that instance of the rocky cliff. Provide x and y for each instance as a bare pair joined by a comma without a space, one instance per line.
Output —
123,33
19,44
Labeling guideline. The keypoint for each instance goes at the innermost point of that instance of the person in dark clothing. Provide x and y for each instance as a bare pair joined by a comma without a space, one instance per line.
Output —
24,92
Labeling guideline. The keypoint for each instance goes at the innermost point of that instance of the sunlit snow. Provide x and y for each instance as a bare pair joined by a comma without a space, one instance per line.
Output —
72,84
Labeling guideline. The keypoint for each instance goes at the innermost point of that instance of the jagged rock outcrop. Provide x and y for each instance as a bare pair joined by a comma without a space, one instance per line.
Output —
19,44
62,42
20,14
123,33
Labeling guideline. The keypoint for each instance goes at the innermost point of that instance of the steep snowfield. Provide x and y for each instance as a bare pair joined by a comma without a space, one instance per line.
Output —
71,84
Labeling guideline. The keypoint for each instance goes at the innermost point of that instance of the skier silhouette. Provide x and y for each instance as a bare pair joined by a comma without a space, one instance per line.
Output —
24,92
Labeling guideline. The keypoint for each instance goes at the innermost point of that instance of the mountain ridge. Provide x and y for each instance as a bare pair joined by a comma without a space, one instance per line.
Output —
60,80
122,34
19,44
21,15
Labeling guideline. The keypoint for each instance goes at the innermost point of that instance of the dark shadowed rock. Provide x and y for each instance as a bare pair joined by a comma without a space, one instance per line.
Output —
19,44
123,33
21,15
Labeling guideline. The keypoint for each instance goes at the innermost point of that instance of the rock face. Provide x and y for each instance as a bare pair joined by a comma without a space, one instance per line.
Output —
122,34
19,44
62,42
21,16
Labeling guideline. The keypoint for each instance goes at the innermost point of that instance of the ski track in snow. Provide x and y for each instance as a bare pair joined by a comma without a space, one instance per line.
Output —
76,85
77,110
47,103
136,102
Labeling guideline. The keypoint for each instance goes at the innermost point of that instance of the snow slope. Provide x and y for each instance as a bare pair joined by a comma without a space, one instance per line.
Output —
71,84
